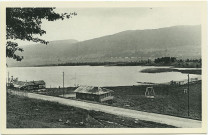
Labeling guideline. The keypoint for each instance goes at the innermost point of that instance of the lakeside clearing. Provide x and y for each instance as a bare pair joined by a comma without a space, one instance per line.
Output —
23,112
169,99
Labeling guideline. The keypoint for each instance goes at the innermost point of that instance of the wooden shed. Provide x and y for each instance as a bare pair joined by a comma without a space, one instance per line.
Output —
94,94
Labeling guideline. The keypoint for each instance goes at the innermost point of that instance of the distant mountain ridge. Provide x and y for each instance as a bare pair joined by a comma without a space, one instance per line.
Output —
131,45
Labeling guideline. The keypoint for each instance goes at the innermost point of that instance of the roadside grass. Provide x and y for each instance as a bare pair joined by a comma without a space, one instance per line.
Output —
23,112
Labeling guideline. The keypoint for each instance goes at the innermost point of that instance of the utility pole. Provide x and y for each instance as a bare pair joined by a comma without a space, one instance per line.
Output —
188,95
8,79
75,80
63,84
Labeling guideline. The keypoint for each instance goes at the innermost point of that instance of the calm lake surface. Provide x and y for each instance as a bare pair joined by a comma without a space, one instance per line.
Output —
94,75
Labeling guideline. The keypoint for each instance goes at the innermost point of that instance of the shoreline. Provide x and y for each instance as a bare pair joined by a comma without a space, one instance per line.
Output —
168,66
177,64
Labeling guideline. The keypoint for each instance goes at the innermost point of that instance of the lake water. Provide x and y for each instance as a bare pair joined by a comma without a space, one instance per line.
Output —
94,75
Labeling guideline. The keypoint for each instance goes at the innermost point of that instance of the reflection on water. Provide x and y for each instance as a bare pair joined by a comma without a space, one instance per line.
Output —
94,75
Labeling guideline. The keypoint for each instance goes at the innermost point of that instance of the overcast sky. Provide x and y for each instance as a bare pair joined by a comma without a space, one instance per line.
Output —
96,22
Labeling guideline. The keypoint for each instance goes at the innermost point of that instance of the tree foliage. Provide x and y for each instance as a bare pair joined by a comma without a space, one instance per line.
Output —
165,60
25,23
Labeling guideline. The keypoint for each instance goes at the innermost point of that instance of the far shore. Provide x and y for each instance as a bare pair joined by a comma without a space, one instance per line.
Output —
104,64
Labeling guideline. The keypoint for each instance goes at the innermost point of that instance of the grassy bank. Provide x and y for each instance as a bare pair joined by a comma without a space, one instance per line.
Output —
23,112
160,70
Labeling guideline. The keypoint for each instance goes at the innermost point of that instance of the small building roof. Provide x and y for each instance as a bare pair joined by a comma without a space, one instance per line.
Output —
29,83
40,82
92,90
21,83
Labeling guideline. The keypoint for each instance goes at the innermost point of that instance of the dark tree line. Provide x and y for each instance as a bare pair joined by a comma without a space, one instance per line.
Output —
178,62
165,60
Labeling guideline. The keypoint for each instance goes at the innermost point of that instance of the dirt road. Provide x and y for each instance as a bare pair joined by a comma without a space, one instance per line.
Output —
158,118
